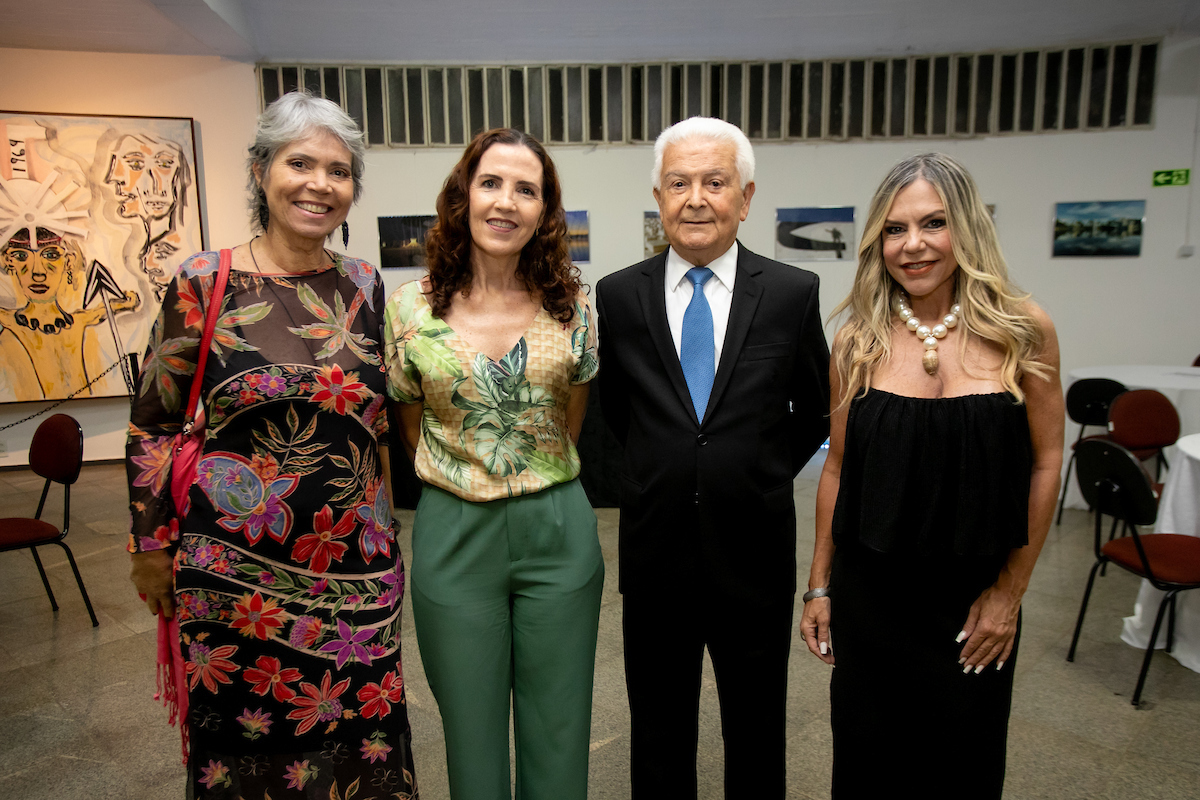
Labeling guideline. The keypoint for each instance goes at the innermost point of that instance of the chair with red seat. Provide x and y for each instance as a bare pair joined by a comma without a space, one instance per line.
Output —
1144,422
55,454
1113,482
1088,400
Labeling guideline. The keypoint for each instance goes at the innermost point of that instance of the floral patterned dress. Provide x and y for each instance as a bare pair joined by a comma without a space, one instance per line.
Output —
288,580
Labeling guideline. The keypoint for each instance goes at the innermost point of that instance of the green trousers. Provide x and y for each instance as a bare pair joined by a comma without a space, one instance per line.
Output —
506,600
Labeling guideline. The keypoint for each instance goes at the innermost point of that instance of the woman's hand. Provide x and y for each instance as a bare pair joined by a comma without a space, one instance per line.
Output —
814,628
990,629
154,576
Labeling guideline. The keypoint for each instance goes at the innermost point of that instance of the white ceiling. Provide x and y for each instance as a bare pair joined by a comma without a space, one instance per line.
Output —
535,31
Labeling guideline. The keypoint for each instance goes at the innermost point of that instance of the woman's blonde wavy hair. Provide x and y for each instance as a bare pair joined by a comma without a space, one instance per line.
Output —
993,307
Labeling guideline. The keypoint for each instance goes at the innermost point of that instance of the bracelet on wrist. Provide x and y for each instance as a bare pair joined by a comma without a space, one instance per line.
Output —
813,594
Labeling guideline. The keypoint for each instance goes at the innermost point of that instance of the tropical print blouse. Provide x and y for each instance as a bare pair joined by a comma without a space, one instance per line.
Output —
489,429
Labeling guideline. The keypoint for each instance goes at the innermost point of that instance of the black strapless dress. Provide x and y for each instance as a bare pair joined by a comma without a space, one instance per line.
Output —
934,493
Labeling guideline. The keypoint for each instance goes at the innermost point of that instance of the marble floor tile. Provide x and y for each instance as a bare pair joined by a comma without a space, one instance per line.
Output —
77,718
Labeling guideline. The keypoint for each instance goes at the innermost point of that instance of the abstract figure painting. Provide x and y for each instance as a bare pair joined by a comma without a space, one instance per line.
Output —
815,234
96,214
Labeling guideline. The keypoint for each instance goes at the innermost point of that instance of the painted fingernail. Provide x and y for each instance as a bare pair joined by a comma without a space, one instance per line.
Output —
999,666
979,669
966,669
962,661
961,635
824,648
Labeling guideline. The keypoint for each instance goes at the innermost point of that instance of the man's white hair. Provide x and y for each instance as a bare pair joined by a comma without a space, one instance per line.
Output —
712,129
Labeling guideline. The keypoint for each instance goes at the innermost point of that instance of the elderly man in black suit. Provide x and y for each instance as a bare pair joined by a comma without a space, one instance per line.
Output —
715,381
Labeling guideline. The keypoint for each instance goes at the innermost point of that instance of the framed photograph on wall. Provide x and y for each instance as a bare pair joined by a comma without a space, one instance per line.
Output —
654,238
96,215
578,232
823,233
1102,228
402,241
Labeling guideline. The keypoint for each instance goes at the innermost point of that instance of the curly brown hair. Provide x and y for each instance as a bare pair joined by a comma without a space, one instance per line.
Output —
545,263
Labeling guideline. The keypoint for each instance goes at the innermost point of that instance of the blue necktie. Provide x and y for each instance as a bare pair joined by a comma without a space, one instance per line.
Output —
697,350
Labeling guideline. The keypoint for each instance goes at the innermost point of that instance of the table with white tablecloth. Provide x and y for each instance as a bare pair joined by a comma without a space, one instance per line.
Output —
1181,385
1178,512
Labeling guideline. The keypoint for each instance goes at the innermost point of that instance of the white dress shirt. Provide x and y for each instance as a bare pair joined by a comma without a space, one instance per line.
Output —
718,290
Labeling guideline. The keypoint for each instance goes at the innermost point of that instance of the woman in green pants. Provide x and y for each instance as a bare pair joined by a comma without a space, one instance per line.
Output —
490,355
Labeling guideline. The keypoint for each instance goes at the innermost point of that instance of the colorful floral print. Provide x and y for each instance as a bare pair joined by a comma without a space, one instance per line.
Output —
375,748
268,675
349,644
209,666
318,704
257,618
299,774
256,723
215,774
306,631
288,583
250,501
339,392
377,698
321,547
154,463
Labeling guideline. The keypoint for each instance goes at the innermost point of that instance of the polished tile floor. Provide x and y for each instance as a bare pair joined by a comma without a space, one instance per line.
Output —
77,719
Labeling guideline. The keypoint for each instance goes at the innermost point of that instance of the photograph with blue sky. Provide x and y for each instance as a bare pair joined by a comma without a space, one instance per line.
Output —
1100,228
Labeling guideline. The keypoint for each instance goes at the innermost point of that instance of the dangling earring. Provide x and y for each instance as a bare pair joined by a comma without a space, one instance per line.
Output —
345,234
264,213
70,275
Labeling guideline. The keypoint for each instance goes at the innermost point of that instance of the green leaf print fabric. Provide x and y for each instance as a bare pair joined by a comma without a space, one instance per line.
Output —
489,429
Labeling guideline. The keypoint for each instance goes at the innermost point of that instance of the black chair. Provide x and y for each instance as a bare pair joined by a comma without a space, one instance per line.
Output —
1087,403
55,454
1114,483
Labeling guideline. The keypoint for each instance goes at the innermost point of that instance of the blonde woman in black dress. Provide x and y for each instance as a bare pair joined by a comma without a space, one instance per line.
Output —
938,491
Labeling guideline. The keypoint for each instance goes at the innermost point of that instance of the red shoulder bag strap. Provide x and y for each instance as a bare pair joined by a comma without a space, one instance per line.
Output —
215,301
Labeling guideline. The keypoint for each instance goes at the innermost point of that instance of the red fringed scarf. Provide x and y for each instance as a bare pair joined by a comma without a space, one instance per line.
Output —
171,683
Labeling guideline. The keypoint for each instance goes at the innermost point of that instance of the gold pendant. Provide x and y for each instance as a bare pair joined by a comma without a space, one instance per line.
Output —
930,361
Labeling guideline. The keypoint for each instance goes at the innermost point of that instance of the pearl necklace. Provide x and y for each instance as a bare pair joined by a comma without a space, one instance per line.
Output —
929,335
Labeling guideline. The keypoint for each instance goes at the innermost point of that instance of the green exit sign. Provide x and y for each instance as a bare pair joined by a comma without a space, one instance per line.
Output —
1172,177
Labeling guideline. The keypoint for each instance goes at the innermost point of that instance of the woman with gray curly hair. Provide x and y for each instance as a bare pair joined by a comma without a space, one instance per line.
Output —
283,571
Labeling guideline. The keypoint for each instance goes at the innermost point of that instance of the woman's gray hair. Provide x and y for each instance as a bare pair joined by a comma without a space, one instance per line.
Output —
291,117
712,129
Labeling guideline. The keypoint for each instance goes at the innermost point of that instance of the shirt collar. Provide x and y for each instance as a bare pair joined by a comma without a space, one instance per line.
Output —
724,268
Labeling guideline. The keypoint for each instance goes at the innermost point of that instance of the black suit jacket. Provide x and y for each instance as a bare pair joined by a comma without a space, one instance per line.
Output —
709,506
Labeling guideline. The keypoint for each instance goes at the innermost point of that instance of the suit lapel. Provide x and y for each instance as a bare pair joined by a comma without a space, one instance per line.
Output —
746,293
654,306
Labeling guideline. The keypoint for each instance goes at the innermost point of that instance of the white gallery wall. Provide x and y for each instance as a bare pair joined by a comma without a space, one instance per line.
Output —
1107,311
